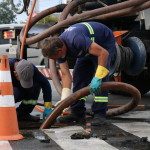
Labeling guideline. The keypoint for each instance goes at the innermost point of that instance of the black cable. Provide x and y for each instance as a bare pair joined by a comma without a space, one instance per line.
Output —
126,57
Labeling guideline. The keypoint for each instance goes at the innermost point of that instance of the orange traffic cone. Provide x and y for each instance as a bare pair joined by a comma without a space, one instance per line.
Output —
8,118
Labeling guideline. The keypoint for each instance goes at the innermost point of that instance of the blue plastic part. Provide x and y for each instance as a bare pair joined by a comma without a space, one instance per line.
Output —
46,112
95,86
139,56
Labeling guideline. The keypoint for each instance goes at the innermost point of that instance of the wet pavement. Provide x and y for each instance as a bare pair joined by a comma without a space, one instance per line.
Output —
125,132
116,134
34,140
129,131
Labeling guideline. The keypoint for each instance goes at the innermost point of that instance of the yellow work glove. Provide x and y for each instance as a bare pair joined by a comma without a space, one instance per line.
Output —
47,110
95,85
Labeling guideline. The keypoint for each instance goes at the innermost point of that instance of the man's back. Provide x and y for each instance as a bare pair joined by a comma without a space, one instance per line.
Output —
79,37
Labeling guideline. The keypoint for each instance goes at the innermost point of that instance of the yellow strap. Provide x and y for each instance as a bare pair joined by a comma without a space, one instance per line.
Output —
48,105
101,72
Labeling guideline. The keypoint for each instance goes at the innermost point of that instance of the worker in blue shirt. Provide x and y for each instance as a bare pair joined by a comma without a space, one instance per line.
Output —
93,44
27,82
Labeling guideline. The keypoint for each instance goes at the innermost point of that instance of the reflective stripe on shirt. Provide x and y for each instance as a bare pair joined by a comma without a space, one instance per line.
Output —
91,31
89,27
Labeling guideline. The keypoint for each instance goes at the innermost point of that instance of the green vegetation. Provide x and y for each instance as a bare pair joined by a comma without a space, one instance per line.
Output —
6,14
48,19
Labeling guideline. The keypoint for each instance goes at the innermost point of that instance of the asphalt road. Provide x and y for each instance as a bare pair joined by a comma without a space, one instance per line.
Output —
129,131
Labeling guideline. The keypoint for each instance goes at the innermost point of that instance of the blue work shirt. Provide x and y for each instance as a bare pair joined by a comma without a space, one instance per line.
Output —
78,39
37,77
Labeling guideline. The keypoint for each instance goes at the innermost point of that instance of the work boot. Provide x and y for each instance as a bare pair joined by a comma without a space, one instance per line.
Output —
98,120
71,118
89,112
28,117
68,109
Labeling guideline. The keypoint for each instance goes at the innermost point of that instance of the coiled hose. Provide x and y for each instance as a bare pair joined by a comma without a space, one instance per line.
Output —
85,91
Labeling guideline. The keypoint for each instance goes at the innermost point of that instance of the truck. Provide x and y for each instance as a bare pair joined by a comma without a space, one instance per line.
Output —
130,23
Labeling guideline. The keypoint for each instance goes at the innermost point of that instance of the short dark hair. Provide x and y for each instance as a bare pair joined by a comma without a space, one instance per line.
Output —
50,46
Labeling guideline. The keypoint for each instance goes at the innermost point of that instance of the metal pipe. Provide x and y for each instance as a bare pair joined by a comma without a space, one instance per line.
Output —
119,86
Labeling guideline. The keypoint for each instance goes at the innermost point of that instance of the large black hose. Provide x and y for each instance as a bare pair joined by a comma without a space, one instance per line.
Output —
119,86
81,17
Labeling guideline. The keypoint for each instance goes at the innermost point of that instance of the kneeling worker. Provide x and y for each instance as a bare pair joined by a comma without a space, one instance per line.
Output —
27,82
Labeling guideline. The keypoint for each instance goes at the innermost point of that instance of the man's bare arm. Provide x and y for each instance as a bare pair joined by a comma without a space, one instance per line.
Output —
66,76
99,51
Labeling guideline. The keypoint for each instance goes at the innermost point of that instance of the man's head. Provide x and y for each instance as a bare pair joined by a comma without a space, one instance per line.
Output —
24,72
53,48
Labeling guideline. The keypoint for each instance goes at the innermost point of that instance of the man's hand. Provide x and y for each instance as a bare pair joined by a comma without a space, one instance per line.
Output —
95,86
64,94
46,112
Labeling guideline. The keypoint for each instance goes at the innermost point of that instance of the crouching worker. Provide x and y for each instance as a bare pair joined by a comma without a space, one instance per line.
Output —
93,44
27,82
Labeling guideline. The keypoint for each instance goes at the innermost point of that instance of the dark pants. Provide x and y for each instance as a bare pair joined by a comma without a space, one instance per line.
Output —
27,95
83,73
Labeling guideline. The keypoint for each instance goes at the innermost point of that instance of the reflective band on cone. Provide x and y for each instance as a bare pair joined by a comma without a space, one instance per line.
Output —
8,117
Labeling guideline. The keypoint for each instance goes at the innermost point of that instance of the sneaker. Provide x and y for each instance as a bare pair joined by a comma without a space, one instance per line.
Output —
98,120
70,118
28,117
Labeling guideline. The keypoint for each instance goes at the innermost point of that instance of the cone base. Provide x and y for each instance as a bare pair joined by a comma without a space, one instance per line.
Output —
11,137
8,124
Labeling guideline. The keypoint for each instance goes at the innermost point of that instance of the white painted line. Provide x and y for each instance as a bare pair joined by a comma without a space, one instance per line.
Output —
136,114
7,101
140,129
5,76
62,137
4,145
